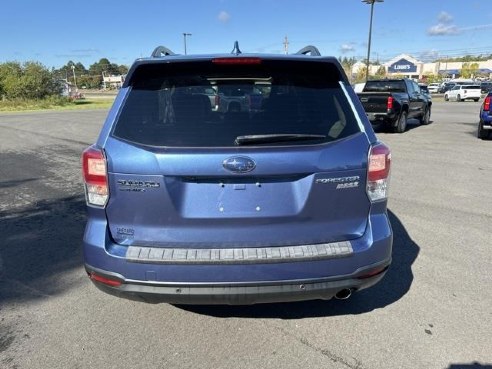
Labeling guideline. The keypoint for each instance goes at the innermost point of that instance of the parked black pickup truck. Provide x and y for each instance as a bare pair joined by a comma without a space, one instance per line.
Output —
393,101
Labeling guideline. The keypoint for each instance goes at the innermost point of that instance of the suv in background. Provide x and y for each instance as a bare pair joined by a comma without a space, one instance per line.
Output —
463,92
433,87
283,201
486,86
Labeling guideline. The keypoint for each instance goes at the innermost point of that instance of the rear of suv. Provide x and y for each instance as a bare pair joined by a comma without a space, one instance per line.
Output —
283,201
485,123
463,92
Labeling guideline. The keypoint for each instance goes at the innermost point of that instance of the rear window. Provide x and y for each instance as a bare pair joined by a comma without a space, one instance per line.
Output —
385,86
472,87
202,104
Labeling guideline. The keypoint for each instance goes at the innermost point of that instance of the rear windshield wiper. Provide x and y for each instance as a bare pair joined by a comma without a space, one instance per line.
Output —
278,137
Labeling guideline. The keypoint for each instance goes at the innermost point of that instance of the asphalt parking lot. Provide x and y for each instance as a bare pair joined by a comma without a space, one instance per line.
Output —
432,310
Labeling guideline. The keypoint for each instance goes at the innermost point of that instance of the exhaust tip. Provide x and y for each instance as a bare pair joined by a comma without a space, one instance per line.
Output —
343,294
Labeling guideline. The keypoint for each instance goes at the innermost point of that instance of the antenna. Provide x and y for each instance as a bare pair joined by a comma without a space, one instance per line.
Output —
236,49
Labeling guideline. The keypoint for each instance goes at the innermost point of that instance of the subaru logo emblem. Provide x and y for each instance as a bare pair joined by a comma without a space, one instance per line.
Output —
239,164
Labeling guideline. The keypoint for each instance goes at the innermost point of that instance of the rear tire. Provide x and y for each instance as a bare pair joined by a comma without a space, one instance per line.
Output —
482,133
458,98
401,126
446,98
425,119
476,100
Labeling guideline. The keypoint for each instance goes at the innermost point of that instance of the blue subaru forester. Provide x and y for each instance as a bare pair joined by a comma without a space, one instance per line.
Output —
278,196
485,123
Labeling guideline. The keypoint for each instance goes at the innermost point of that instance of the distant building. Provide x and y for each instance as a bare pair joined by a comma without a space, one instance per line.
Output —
409,67
113,81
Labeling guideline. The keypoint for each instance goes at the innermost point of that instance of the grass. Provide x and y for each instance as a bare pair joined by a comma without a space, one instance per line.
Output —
54,103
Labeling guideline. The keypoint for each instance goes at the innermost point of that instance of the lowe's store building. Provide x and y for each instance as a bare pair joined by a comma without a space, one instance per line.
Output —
407,66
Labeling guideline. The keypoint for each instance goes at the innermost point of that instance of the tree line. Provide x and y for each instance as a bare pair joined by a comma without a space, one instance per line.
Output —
33,80
91,77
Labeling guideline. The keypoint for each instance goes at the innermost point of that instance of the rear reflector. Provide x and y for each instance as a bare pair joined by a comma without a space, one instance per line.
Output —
107,281
373,273
234,60
486,103
95,177
378,172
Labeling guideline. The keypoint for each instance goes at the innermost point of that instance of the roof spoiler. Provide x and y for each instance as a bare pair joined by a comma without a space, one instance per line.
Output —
310,49
160,51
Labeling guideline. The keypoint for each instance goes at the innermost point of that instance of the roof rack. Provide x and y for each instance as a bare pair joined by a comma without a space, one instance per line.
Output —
310,49
161,51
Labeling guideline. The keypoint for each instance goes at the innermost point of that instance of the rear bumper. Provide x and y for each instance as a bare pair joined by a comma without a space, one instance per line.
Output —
239,293
486,120
201,281
378,118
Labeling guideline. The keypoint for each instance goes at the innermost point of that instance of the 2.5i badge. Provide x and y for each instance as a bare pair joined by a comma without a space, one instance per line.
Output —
136,185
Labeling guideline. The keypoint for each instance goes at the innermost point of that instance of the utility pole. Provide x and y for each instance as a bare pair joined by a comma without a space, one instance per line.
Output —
74,80
370,2
184,37
286,45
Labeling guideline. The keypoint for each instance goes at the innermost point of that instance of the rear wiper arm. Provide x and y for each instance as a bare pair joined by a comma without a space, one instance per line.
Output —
277,137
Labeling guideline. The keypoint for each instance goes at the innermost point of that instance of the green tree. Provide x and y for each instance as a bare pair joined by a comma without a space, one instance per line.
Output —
66,72
122,69
433,78
469,70
361,75
381,72
30,80
347,64
88,81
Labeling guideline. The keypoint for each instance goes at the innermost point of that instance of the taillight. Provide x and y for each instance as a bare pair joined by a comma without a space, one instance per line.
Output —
486,103
389,103
378,172
217,100
95,177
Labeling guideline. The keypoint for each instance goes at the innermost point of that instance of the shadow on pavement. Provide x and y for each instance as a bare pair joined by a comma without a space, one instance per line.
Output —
8,184
40,243
393,287
474,365
411,124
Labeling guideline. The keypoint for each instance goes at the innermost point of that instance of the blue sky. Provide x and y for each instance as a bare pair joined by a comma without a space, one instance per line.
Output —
53,32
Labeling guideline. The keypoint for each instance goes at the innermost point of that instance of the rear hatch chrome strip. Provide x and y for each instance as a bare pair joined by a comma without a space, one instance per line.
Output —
159,255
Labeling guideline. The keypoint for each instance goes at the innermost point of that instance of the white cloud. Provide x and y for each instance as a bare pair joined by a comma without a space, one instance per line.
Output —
444,17
224,16
442,29
346,48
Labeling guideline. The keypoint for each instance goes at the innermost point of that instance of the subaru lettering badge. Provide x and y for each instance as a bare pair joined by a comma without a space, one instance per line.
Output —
239,164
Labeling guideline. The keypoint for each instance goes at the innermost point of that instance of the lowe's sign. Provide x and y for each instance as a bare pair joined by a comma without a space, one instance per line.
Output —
402,66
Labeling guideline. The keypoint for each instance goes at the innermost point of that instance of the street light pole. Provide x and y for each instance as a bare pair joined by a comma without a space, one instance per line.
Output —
184,37
371,2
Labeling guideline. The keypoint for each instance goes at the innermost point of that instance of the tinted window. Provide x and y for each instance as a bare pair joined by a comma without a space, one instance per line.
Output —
169,104
385,86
